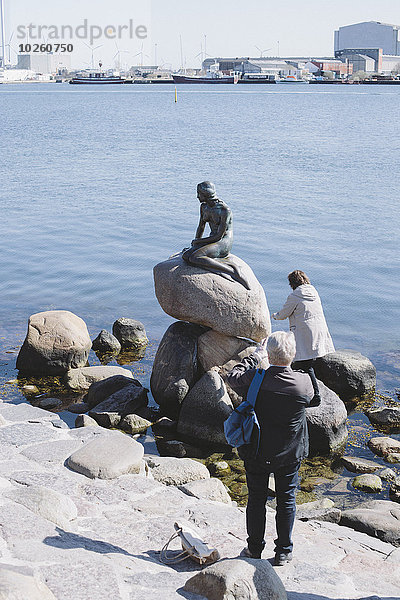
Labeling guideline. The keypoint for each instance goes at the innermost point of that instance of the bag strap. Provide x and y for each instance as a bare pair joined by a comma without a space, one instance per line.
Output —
255,387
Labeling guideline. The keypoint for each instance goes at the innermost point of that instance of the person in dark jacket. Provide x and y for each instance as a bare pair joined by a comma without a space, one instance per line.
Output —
280,408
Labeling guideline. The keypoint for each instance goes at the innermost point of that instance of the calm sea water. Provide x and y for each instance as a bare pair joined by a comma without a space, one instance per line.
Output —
98,185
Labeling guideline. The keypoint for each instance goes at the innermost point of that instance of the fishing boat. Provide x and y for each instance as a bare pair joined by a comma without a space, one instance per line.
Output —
213,75
205,79
97,78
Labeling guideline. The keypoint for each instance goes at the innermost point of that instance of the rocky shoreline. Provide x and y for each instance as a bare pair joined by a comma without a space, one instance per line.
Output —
65,534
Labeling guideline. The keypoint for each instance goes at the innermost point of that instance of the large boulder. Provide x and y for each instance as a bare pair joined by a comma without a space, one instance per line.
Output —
360,465
81,379
108,457
130,333
193,294
204,411
346,372
176,471
327,423
379,518
237,579
57,340
175,367
207,489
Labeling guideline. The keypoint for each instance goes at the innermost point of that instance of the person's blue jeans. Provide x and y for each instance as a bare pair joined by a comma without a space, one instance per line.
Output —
286,481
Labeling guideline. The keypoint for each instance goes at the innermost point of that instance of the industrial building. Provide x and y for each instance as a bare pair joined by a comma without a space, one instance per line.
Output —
370,34
371,46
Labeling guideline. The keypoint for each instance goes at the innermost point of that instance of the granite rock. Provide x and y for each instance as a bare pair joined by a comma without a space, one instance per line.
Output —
130,333
327,422
383,446
17,583
176,471
346,372
85,421
367,483
207,489
193,294
319,510
108,457
106,343
204,411
379,518
131,399
217,349
134,424
101,390
80,380
56,341
388,416
237,579
47,503
175,367
359,465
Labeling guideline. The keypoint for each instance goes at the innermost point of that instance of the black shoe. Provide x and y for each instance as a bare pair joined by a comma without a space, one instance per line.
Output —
282,558
246,552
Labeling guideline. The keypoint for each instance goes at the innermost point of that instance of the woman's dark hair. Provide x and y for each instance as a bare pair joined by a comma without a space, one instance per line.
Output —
297,278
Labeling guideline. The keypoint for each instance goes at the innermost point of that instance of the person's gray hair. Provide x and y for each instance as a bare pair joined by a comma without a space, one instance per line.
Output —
281,348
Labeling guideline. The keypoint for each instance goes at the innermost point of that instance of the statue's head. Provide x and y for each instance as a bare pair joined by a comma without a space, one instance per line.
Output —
206,191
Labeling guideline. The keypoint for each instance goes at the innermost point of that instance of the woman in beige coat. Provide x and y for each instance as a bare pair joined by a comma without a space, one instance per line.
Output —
307,321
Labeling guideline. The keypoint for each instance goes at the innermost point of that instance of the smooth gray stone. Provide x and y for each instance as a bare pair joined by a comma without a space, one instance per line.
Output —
47,503
130,333
89,578
108,458
78,408
193,294
207,489
85,421
18,585
23,434
102,390
346,372
108,420
204,411
383,446
171,448
176,471
217,349
386,415
175,367
106,343
25,412
237,578
327,422
367,483
49,403
57,340
80,380
359,465
379,518
386,474
134,424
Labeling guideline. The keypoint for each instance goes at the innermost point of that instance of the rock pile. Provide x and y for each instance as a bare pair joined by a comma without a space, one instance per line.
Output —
218,319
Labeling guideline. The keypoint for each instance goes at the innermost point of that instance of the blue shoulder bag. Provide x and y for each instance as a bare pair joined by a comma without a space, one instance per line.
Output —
240,424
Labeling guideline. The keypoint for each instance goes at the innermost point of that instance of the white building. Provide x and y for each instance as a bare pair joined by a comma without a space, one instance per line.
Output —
45,64
370,34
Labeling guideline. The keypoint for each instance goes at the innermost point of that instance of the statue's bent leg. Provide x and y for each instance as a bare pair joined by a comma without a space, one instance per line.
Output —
202,258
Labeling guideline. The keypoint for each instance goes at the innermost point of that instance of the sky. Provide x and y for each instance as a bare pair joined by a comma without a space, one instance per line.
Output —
179,31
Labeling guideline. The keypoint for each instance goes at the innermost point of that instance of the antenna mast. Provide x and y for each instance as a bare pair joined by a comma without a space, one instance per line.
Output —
3,34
